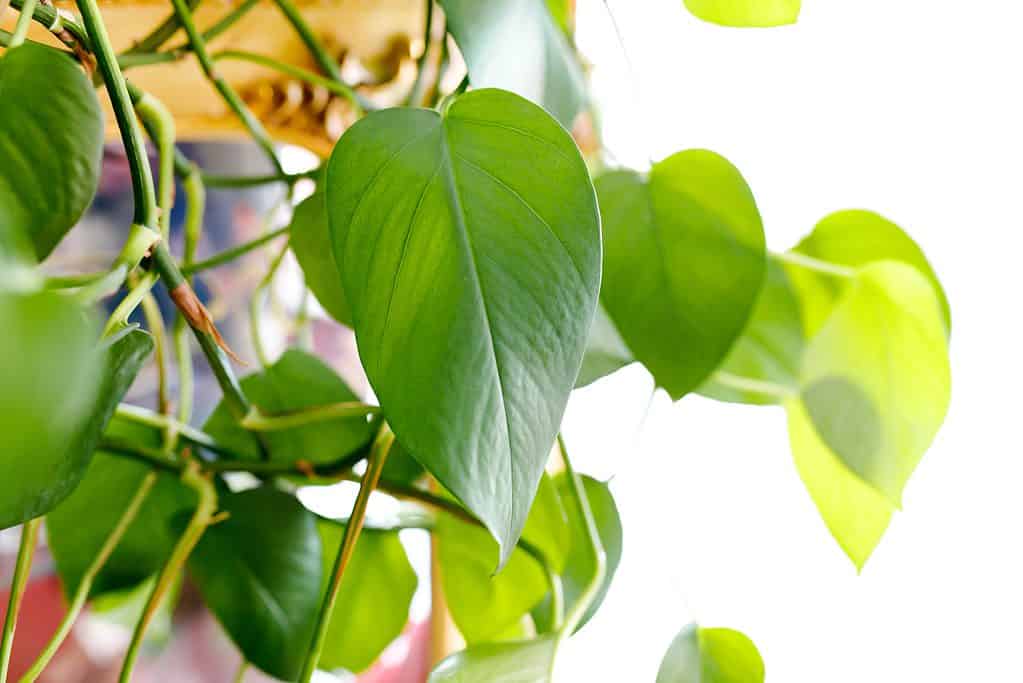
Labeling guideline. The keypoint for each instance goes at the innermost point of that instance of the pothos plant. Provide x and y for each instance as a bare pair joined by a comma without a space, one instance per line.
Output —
487,269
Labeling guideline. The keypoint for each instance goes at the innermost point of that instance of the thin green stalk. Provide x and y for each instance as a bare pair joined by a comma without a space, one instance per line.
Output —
256,307
231,181
234,102
186,373
195,209
202,484
72,281
161,34
336,87
757,386
582,503
816,265
239,675
22,569
24,20
415,95
374,467
159,123
258,421
231,254
312,43
129,303
85,583
154,321
106,285
148,418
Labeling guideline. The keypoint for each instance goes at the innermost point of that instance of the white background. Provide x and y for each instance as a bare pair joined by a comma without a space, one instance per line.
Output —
907,107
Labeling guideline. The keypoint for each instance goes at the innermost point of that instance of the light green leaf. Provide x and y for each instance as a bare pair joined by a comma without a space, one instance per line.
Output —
746,13
373,603
711,655
297,380
260,572
853,238
483,604
310,240
562,11
683,263
51,145
469,244
579,568
769,350
78,527
516,45
52,406
605,350
875,381
527,661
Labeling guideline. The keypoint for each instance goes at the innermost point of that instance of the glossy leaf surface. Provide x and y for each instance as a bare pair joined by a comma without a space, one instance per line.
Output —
295,381
711,655
746,13
51,145
373,603
517,45
78,527
482,604
310,241
683,263
469,244
770,348
527,661
853,238
605,350
260,572
51,407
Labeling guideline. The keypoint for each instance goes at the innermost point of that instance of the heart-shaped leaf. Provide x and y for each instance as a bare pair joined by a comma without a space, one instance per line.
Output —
482,604
373,603
683,263
296,381
524,661
769,351
746,13
260,572
310,240
78,527
52,404
469,244
516,45
711,655
853,238
51,145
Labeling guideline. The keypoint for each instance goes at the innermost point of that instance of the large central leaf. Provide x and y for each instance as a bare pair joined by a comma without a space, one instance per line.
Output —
469,244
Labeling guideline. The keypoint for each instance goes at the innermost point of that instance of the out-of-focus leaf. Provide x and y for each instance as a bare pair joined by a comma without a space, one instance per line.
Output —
711,655
605,350
746,13
527,661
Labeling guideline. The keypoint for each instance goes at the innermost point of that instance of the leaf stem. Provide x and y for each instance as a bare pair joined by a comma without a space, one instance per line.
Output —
202,484
148,418
755,386
24,20
230,97
154,321
258,421
85,584
817,265
375,466
131,301
231,254
228,181
22,569
256,306
335,86
325,61
582,503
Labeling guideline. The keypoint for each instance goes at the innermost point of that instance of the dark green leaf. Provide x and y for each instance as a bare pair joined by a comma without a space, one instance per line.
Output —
579,568
526,661
53,401
297,380
78,527
51,145
260,572
516,45
469,244
746,13
373,603
483,604
875,386
310,240
401,467
770,348
711,655
853,238
605,350
683,263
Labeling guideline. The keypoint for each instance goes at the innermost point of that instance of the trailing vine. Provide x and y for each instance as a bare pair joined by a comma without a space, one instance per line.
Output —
488,267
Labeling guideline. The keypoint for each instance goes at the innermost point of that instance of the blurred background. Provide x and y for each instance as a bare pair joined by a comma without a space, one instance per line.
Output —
907,107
